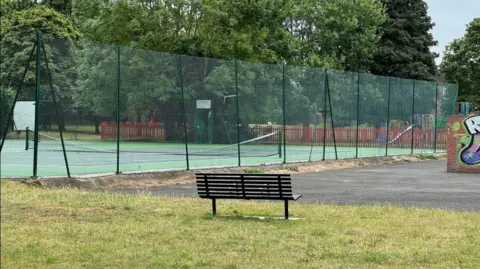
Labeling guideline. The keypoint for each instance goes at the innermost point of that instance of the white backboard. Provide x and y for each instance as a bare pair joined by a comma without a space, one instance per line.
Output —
204,104
24,116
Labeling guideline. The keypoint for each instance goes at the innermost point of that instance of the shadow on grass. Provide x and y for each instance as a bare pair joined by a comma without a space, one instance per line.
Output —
240,217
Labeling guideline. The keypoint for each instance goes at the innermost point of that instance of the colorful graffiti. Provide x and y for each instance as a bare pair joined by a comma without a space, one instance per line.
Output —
469,141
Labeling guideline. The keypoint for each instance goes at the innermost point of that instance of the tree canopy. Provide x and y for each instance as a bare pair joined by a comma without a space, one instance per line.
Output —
461,63
404,48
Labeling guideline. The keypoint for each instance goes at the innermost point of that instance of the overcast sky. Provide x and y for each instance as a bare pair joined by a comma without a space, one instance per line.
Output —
451,18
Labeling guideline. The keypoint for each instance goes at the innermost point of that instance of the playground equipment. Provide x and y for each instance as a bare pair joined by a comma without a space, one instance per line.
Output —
463,108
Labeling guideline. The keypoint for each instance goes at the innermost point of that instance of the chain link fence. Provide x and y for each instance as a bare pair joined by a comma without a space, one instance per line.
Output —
83,108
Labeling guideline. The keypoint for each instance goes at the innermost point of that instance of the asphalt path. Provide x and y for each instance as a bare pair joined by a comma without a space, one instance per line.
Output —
423,184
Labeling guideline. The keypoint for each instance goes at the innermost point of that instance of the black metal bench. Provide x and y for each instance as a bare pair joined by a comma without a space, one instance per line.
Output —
246,187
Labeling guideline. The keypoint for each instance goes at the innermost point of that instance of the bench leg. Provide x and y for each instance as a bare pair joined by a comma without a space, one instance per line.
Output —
286,209
214,207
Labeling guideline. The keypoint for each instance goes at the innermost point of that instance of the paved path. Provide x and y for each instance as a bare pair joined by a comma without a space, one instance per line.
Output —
423,184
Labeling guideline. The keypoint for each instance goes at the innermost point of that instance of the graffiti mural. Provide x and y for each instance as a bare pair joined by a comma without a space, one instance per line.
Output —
470,141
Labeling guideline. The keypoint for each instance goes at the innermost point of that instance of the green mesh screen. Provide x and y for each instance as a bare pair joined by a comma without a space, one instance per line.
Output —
232,113
151,127
447,99
15,160
374,91
210,107
260,90
400,125
304,128
343,94
424,118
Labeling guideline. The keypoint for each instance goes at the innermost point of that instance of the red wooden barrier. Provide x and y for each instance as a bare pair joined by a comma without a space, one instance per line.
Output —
133,131
295,135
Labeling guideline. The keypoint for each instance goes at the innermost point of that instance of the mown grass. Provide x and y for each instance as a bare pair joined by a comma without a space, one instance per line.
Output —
45,228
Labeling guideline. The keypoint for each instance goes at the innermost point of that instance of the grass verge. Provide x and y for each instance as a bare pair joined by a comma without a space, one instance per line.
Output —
66,228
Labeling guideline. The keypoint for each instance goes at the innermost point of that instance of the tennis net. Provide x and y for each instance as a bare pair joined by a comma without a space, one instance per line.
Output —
263,146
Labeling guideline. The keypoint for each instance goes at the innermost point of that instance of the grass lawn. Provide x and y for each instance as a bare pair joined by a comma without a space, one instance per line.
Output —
45,228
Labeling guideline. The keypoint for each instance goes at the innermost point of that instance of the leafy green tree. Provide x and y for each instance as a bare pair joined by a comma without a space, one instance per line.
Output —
336,34
404,49
461,63
18,37
6,99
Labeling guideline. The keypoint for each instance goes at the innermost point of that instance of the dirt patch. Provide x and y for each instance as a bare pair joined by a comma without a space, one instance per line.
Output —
156,179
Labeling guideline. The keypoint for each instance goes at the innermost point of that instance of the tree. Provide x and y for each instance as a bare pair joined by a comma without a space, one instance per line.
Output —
461,63
336,34
18,37
404,49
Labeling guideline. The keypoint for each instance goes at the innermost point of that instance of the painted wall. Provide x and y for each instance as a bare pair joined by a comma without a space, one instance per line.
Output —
463,145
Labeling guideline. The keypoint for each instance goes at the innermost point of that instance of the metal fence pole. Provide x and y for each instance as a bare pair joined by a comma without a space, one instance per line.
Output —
325,113
180,74
37,101
331,119
284,119
436,115
238,114
413,116
388,114
118,110
358,115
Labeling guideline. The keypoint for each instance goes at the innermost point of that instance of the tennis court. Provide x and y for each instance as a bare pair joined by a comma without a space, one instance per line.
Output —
99,157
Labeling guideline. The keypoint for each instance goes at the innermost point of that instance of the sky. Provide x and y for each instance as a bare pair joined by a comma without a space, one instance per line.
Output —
451,18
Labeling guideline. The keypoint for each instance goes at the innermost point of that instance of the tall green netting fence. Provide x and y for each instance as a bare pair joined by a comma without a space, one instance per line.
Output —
85,108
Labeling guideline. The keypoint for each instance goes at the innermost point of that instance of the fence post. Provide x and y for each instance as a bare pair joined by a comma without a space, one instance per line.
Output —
358,114
284,119
118,110
388,114
238,114
331,119
37,101
324,113
180,75
436,115
413,115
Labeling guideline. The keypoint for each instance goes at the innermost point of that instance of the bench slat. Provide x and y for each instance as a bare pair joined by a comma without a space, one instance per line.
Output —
245,175
239,193
247,184
210,181
246,190
249,197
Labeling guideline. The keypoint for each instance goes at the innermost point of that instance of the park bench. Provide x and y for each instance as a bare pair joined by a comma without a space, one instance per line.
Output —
245,187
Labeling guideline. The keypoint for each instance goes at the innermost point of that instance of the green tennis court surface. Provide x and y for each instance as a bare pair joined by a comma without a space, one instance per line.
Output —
99,157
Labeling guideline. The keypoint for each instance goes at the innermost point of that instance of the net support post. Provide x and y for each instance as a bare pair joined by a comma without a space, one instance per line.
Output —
37,101
27,138
238,114
388,113
180,75
118,110
436,116
413,116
